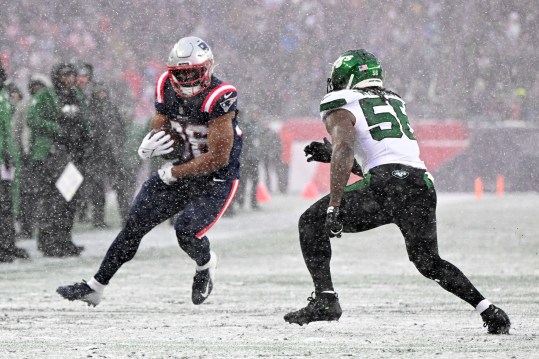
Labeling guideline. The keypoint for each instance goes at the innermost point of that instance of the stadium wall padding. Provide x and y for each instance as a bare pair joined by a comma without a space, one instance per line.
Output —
439,141
507,149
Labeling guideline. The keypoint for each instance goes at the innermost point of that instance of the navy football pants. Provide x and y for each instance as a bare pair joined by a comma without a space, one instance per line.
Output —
199,203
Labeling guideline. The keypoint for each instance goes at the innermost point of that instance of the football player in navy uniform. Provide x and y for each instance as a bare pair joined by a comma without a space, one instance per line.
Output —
198,112
361,115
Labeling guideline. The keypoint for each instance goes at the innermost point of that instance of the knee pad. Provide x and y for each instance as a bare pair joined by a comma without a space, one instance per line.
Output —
307,228
197,249
309,217
429,266
192,243
185,241
124,249
303,221
311,220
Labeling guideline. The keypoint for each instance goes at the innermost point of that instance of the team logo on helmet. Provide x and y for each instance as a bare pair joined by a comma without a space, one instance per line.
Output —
342,59
203,46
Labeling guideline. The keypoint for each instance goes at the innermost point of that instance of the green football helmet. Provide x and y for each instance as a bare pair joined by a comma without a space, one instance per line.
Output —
355,69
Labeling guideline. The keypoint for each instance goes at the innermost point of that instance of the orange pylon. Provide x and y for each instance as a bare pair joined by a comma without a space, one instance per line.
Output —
310,191
262,193
478,188
500,183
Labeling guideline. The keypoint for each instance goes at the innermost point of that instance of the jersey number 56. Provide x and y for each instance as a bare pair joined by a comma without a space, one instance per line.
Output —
378,112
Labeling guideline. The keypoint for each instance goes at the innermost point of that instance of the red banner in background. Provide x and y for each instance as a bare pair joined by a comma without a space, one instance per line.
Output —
300,129
439,141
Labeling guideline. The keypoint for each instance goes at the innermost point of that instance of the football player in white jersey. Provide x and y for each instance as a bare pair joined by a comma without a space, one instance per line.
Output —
364,118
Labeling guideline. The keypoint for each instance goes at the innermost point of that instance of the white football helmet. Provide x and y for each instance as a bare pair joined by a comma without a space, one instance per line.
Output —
190,64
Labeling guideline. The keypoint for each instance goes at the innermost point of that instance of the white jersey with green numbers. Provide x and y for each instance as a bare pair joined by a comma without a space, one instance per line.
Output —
383,133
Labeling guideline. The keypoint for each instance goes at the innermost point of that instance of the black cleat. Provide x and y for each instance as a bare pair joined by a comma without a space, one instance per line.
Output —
496,321
323,307
203,280
15,252
6,257
80,291
64,250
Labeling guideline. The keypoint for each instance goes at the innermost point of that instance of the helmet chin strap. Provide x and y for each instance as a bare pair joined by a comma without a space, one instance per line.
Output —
190,91
349,85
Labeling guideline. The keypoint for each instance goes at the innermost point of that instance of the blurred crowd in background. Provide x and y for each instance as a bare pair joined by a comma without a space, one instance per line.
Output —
469,60
473,61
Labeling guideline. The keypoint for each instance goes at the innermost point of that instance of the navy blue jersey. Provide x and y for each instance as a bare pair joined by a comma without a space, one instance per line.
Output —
189,116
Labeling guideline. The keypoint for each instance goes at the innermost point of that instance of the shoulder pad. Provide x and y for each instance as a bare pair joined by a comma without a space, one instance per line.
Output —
337,99
225,92
160,87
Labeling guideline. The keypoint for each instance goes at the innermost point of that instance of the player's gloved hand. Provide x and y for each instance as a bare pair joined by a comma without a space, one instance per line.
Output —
356,169
165,173
334,222
319,152
155,144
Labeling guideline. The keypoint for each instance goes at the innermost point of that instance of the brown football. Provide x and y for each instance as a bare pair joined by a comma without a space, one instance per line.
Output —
163,124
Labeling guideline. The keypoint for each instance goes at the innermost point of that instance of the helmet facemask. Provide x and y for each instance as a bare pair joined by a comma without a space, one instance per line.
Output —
329,85
190,80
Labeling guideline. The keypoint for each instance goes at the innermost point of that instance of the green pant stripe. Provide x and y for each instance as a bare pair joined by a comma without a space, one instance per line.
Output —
361,184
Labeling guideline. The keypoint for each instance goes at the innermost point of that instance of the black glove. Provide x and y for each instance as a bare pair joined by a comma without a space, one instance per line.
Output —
356,169
334,222
319,152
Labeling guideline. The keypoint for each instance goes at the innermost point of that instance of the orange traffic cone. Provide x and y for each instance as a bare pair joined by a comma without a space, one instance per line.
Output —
500,184
310,191
262,193
478,188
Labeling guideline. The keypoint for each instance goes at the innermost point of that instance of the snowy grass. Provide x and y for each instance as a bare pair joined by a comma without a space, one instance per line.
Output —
390,311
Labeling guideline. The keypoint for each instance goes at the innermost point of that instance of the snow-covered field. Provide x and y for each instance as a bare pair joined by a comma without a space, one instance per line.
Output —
390,311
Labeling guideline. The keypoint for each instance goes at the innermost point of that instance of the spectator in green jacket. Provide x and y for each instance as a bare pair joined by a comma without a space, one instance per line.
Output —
59,134
29,190
9,160
16,99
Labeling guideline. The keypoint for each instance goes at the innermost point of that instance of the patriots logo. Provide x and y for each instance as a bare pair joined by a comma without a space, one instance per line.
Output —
203,46
228,102
400,174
